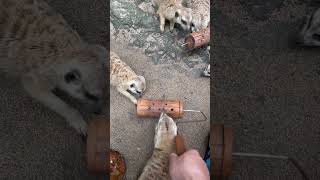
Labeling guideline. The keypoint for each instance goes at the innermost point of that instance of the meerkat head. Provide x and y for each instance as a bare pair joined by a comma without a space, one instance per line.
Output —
310,33
83,75
183,17
165,132
137,86
196,23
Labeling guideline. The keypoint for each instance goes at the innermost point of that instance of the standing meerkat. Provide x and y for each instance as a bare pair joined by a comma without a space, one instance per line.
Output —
157,166
39,48
125,79
200,14
174,12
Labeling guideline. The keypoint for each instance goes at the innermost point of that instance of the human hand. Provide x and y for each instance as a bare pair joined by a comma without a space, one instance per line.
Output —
188,166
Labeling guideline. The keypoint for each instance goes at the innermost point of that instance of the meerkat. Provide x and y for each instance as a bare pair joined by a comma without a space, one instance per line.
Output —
200,14
174,12
157,167
206,71
310,33
39,48
125,79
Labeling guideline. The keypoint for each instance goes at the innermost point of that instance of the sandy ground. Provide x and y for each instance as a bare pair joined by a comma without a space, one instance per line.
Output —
133,136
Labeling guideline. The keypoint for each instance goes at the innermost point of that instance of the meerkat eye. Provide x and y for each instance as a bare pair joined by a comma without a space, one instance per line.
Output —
184,22
192,24
176,14
132,85
72,76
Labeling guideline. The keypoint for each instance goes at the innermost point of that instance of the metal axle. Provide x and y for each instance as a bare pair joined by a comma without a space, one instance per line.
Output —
269,156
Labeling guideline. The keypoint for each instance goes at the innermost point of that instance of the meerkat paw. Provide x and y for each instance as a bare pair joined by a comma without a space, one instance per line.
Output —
161,28
132,99
162,22
135,101
128,95
78,124
171,25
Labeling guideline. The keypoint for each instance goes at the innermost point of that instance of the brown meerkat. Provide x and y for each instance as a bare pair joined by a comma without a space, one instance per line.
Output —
200,14
157,167
125,79
174,12
38,47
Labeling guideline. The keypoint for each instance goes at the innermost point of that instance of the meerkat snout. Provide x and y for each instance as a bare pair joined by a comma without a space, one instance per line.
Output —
83,77
183,17
137,86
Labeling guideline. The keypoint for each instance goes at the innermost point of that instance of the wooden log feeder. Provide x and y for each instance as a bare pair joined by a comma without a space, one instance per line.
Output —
102,161
221,151
174,108
153,108
221,143
197,39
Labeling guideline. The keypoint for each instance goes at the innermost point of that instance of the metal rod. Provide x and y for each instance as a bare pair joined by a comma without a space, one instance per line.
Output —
260,155
293,161
192,121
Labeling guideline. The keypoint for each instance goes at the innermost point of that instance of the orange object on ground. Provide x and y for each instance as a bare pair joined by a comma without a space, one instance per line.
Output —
101,160
198,39
98,145
153,108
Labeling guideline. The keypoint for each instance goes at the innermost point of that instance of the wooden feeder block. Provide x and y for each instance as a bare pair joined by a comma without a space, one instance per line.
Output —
221,143
100,159
154,108
197,39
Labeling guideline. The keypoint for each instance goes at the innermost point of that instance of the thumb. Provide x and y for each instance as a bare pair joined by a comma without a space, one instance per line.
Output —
173,157
172,163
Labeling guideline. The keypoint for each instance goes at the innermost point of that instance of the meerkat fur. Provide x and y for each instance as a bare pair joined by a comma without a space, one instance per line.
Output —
309,35
174,12
200,14
157,167
125,79
39,48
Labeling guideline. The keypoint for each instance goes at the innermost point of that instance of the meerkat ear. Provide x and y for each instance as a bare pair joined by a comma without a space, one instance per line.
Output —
142,79
100,51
